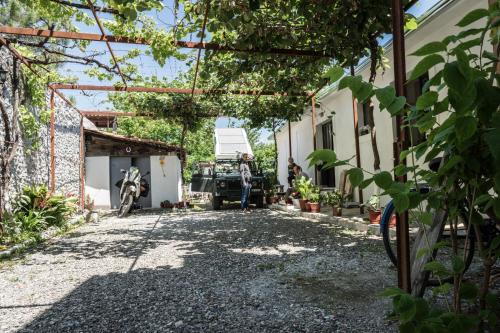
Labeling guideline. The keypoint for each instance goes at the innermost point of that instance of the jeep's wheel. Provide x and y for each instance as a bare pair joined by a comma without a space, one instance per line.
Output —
259,201
216,202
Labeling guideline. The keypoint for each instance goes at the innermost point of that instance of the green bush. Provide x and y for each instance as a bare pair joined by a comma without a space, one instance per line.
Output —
34,210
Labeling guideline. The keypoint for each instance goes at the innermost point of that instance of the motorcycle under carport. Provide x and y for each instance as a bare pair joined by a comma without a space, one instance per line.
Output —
132,186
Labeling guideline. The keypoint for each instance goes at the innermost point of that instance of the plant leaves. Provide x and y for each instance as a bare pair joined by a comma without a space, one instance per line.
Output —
468,291
424,65
355,176
465,127
334,74
430,48
386,95
397,105
473,16
383,180
401,202
426,100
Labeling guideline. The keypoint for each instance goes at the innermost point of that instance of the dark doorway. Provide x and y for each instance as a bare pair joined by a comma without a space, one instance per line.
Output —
118,163
327,176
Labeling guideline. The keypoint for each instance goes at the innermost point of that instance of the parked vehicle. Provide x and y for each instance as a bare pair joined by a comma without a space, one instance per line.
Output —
222,177
132,186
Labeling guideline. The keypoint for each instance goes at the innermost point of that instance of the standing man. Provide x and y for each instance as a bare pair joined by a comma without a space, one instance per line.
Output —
291,175
246,182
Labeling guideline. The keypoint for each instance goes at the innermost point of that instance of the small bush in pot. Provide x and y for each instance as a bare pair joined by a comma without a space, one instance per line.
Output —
374,210
315,201
304,187
335,199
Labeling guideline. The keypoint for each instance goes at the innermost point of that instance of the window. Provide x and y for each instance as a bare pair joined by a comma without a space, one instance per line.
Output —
363,116
413,92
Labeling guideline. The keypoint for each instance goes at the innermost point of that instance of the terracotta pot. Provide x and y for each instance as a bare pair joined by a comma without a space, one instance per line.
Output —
308,206
274,200
315,207
392,221
375,216
268,200
302,203
337,211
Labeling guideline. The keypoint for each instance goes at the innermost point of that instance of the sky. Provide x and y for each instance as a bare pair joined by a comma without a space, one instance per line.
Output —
92,100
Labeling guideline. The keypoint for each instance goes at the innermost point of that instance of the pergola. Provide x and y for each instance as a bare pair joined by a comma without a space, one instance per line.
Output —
402,229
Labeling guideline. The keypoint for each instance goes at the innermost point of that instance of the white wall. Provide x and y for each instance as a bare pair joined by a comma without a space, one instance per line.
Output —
435,28
97,181
165,180
302,146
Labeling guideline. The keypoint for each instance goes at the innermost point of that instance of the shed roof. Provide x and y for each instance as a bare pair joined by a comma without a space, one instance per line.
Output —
147,147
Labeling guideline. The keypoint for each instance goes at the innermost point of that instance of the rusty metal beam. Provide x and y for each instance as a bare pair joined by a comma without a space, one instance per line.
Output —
140,41
313,120
64,86
402,226
103,34
356,141
107,114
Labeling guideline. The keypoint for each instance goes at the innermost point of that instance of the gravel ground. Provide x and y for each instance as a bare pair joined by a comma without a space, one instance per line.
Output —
219,271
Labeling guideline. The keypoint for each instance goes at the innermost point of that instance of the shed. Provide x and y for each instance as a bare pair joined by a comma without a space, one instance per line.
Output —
107,153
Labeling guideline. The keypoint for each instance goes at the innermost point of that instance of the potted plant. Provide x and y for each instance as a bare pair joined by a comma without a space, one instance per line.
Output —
335,199
315,200
304,187
374,210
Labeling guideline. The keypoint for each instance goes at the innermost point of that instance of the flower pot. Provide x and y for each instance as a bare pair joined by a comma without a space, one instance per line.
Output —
308,206
315,207
274,200
302,203
268,200
375,216
337,211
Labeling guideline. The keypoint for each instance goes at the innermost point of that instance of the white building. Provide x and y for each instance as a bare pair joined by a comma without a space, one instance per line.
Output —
338,132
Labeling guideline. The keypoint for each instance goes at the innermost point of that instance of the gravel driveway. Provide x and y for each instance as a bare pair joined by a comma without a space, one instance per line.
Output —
221,271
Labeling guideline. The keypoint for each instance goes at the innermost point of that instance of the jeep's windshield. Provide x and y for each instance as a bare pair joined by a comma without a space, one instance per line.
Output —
232,167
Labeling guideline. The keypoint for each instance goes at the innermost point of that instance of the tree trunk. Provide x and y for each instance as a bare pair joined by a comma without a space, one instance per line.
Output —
275,153
183,138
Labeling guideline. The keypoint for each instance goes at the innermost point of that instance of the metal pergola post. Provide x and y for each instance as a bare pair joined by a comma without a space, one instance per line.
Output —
356,142
402,227
313,120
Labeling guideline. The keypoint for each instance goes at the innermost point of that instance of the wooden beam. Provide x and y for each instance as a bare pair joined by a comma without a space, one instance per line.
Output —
141,41
163,90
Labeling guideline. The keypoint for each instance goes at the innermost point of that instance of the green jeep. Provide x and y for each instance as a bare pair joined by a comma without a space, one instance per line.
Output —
222,179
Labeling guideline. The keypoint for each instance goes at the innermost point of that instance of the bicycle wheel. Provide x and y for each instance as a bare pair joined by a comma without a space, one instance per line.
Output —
443,254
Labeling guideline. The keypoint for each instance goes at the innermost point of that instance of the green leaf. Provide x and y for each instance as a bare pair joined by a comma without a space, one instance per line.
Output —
426,100
365,183
468,291
383,180
426,218
457,265
454,160
322,155
386,95
492,138
437,268
430,48
445,288
254,4
392,291
401,202
473,16
411,24
406,308
364,92
465,127
482,199
453,77
355,176
424,65
334,74
397,105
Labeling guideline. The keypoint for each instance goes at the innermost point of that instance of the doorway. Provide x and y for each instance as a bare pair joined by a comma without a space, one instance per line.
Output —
327,177
115,166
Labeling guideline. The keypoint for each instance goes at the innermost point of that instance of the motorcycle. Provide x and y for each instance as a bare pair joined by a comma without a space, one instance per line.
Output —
132,186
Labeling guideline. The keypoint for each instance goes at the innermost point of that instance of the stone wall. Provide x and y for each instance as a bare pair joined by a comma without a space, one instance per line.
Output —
31,167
